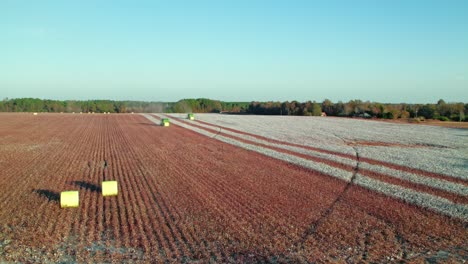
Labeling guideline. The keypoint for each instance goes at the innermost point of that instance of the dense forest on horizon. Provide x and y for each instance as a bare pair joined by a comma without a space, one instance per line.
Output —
354,108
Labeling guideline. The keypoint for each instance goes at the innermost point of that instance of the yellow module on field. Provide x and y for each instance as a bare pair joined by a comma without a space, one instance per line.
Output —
69,199
109,188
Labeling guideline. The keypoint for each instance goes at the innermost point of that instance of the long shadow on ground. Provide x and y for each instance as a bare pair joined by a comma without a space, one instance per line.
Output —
88,186
50,195
146,124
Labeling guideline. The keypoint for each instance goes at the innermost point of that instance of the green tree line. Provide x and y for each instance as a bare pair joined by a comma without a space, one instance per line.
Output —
204,105
69,106
357,108
353,108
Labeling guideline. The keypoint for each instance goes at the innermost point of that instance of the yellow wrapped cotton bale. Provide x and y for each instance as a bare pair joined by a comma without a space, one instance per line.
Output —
69,199
109,188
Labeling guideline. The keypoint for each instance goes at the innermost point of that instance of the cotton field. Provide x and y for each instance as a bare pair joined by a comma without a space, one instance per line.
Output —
229,189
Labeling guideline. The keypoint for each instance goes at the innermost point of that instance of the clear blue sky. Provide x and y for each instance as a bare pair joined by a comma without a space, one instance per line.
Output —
387,51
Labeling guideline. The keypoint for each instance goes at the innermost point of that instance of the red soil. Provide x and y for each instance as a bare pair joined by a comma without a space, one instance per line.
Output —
186,197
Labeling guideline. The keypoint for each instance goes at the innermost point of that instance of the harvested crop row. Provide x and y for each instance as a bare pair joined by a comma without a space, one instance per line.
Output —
22,158
52,175
185,197
148,227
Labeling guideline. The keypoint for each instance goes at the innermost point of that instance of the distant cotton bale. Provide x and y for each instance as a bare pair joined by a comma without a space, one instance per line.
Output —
69,199
191,116
132,113
34,113
109,188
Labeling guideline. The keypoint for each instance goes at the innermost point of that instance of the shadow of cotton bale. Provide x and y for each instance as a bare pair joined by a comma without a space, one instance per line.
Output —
88,186
50,195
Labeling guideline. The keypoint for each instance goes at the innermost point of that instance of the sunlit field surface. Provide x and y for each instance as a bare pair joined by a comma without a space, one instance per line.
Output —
231,188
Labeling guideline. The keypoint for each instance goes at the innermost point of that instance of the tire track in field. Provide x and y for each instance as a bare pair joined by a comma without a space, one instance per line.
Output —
315,225
435,203
311,230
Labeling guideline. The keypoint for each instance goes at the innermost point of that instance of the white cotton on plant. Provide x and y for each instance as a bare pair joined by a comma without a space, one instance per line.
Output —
436,149
411,177
419,179
435,203
320,167
419,198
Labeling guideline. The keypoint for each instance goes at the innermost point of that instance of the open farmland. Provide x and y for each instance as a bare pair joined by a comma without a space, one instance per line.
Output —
228,188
